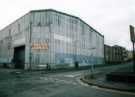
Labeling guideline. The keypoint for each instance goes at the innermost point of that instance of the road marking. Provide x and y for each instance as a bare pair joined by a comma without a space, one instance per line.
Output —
96,87
66,82
72,75
58,80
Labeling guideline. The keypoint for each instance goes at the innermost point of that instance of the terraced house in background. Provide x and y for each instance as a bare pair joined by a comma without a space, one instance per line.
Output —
49,37
115,54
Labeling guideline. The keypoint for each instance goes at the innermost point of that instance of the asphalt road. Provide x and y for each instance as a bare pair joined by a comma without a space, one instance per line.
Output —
62,84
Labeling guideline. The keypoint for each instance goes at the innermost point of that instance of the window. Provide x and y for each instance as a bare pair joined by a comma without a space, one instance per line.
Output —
9,32
58,19
19,28
83,32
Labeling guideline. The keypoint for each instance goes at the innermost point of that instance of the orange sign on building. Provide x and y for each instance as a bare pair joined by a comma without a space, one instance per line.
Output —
40,46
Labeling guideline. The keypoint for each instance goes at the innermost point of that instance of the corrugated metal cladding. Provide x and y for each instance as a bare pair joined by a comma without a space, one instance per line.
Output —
54,38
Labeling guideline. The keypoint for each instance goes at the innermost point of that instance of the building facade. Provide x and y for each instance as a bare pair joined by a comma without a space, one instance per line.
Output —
108,54
49,37
130,55
115,54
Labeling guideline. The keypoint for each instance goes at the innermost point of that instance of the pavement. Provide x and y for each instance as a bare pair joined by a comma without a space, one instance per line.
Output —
19,83
99,80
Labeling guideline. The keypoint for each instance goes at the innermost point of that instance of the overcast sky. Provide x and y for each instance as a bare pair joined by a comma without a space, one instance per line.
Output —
110,17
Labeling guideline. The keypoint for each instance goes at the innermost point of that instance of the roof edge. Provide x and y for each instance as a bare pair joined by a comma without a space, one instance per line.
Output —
41,10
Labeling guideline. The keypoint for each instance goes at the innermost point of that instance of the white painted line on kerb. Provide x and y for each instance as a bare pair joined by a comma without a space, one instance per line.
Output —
81,83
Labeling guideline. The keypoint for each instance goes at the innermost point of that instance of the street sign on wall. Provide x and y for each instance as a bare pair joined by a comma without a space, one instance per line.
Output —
132,33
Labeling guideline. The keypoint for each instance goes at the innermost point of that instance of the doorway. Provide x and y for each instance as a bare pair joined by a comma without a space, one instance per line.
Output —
19,57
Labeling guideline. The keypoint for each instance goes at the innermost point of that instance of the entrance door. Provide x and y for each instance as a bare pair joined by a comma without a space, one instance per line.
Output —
19,57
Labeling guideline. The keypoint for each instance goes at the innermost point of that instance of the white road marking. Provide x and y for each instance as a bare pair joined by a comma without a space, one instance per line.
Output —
58,80
66,82
96,87
72,75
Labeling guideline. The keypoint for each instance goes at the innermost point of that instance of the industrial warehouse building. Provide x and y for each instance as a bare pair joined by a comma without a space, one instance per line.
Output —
50,38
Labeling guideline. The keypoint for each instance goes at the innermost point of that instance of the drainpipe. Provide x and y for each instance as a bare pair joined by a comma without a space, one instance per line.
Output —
30,46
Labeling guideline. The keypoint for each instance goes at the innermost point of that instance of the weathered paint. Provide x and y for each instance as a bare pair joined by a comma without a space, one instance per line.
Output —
69,39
